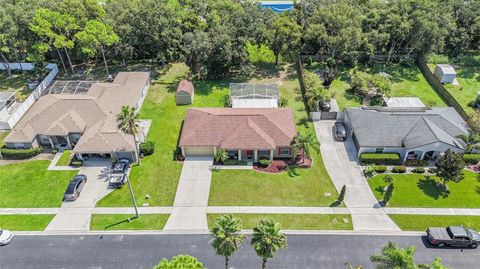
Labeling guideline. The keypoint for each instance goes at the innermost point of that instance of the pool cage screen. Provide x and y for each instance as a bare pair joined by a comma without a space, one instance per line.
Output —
254,91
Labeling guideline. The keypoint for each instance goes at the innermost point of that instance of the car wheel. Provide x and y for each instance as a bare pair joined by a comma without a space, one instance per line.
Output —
441,245
474,245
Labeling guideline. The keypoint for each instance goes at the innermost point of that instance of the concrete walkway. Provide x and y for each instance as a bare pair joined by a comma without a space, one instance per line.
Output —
75,216
53,165
191,200
340,159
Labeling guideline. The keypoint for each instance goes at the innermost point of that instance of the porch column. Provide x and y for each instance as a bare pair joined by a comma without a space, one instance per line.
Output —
183,151
51,142
214,151
271,155
68,141
239,155
423,155
79,156
255,155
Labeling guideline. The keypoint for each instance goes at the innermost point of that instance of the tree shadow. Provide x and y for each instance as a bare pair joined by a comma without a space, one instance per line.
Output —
335,204
120,222
430,187
304,122
380,189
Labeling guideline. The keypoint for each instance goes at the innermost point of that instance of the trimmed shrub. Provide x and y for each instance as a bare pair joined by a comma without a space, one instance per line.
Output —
416,163
234,162
380,169
432,170
418,170
264,163
471,158
399,169
20,154
368,172
147,148
380,158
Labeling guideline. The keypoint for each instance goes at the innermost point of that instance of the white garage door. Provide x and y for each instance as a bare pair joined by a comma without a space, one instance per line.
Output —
198,151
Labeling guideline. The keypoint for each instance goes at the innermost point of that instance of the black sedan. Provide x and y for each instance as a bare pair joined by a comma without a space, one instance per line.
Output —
121,166
75,187
340,131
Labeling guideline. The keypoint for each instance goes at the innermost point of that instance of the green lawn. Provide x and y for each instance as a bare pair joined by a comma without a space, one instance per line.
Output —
29,184
2,137
422,222
25,222
65,158
16,83
415,190
120,222
247,187
159,173
294,221
405,81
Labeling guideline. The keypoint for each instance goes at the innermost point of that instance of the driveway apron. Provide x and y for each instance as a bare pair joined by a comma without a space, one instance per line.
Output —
191,200
340,159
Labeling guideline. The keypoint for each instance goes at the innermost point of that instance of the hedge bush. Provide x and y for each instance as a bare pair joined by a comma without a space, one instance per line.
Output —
368,172
380,169
399,169
234,162
432,170
20,154
471,158
264,162
416,163
147,148
418,170
380,158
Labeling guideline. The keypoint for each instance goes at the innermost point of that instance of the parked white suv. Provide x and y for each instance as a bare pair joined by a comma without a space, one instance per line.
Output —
5,237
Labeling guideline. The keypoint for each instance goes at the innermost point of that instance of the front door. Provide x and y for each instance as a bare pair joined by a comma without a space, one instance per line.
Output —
62,140
249,154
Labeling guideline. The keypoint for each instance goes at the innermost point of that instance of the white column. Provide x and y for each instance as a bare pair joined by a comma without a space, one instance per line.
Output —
51,142
271,155
423,155
239,155
214,151
79,156
183,151
255,155
68,141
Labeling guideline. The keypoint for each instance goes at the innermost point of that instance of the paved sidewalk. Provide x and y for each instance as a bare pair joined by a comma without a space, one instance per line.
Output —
277,210
340,162
191,200
75,216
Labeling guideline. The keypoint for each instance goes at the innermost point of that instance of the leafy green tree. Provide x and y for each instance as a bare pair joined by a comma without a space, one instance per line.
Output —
315,92
221,155
97,35
450,167
180,262
436,264
227,236
394,257
267,239
282,102
472,141
388,193
341,196
285,36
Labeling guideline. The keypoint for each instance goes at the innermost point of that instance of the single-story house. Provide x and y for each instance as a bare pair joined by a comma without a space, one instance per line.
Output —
413,133
85,123
185,93
445,73
245,133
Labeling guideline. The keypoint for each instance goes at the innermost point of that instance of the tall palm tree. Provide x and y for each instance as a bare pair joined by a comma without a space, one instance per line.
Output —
472,141
267,238
227,236
306,142
394,257
127,122
221,155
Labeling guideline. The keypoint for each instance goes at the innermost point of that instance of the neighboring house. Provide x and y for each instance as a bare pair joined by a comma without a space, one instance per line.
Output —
254,95
445,73
245,133
185,93
83,122
413,133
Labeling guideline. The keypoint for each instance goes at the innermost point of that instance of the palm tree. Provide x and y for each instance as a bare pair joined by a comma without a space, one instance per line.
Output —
472,141
267,239
394,257
221,155
305,142
127,122
227,236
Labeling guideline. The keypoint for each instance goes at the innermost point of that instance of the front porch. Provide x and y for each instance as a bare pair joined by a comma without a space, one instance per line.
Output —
58,141
249,155
421,155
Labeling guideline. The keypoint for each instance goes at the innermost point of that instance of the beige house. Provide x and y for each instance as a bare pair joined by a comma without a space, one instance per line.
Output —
245,133
185,93
85,123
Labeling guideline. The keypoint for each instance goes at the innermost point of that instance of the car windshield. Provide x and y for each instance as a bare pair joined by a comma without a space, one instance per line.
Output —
71,187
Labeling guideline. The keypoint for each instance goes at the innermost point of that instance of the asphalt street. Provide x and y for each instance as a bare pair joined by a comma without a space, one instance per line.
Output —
144,251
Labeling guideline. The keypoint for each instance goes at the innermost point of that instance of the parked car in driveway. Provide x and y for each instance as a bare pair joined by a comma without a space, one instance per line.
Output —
340,131
453,236
5,237
75,187
117,180
121,166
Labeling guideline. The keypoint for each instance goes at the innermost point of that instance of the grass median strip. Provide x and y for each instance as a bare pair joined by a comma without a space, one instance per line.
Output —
120,222
295,221
422,222
65,158
25,222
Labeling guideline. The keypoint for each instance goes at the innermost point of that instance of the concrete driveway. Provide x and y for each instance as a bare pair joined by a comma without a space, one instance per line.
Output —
340,159
75,216
191,200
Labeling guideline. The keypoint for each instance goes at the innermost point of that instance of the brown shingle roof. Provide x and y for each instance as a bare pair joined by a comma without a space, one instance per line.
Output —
238,128
186,86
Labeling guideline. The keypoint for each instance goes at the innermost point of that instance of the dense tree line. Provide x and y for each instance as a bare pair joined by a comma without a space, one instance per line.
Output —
211,35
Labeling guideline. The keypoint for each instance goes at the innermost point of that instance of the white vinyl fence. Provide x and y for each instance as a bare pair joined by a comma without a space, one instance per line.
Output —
16,114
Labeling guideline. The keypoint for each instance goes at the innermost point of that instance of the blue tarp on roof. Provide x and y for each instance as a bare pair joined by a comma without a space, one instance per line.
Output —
278,6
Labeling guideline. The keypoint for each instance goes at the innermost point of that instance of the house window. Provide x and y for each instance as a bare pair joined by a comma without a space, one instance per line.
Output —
263,152
285,151
44,140
379,150
231,152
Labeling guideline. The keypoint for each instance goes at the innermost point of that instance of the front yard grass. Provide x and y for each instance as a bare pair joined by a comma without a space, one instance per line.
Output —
422,222
414,190
406,81
294,221
29,184
25,222
120,222
65,158
159,173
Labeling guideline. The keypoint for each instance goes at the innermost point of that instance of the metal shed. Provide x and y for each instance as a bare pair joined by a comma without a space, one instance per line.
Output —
445,73
185,93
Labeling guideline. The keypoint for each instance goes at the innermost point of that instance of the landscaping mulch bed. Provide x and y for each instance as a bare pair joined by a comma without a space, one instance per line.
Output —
278,166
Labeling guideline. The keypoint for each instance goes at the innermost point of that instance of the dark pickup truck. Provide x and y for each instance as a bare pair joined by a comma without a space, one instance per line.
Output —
453,236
